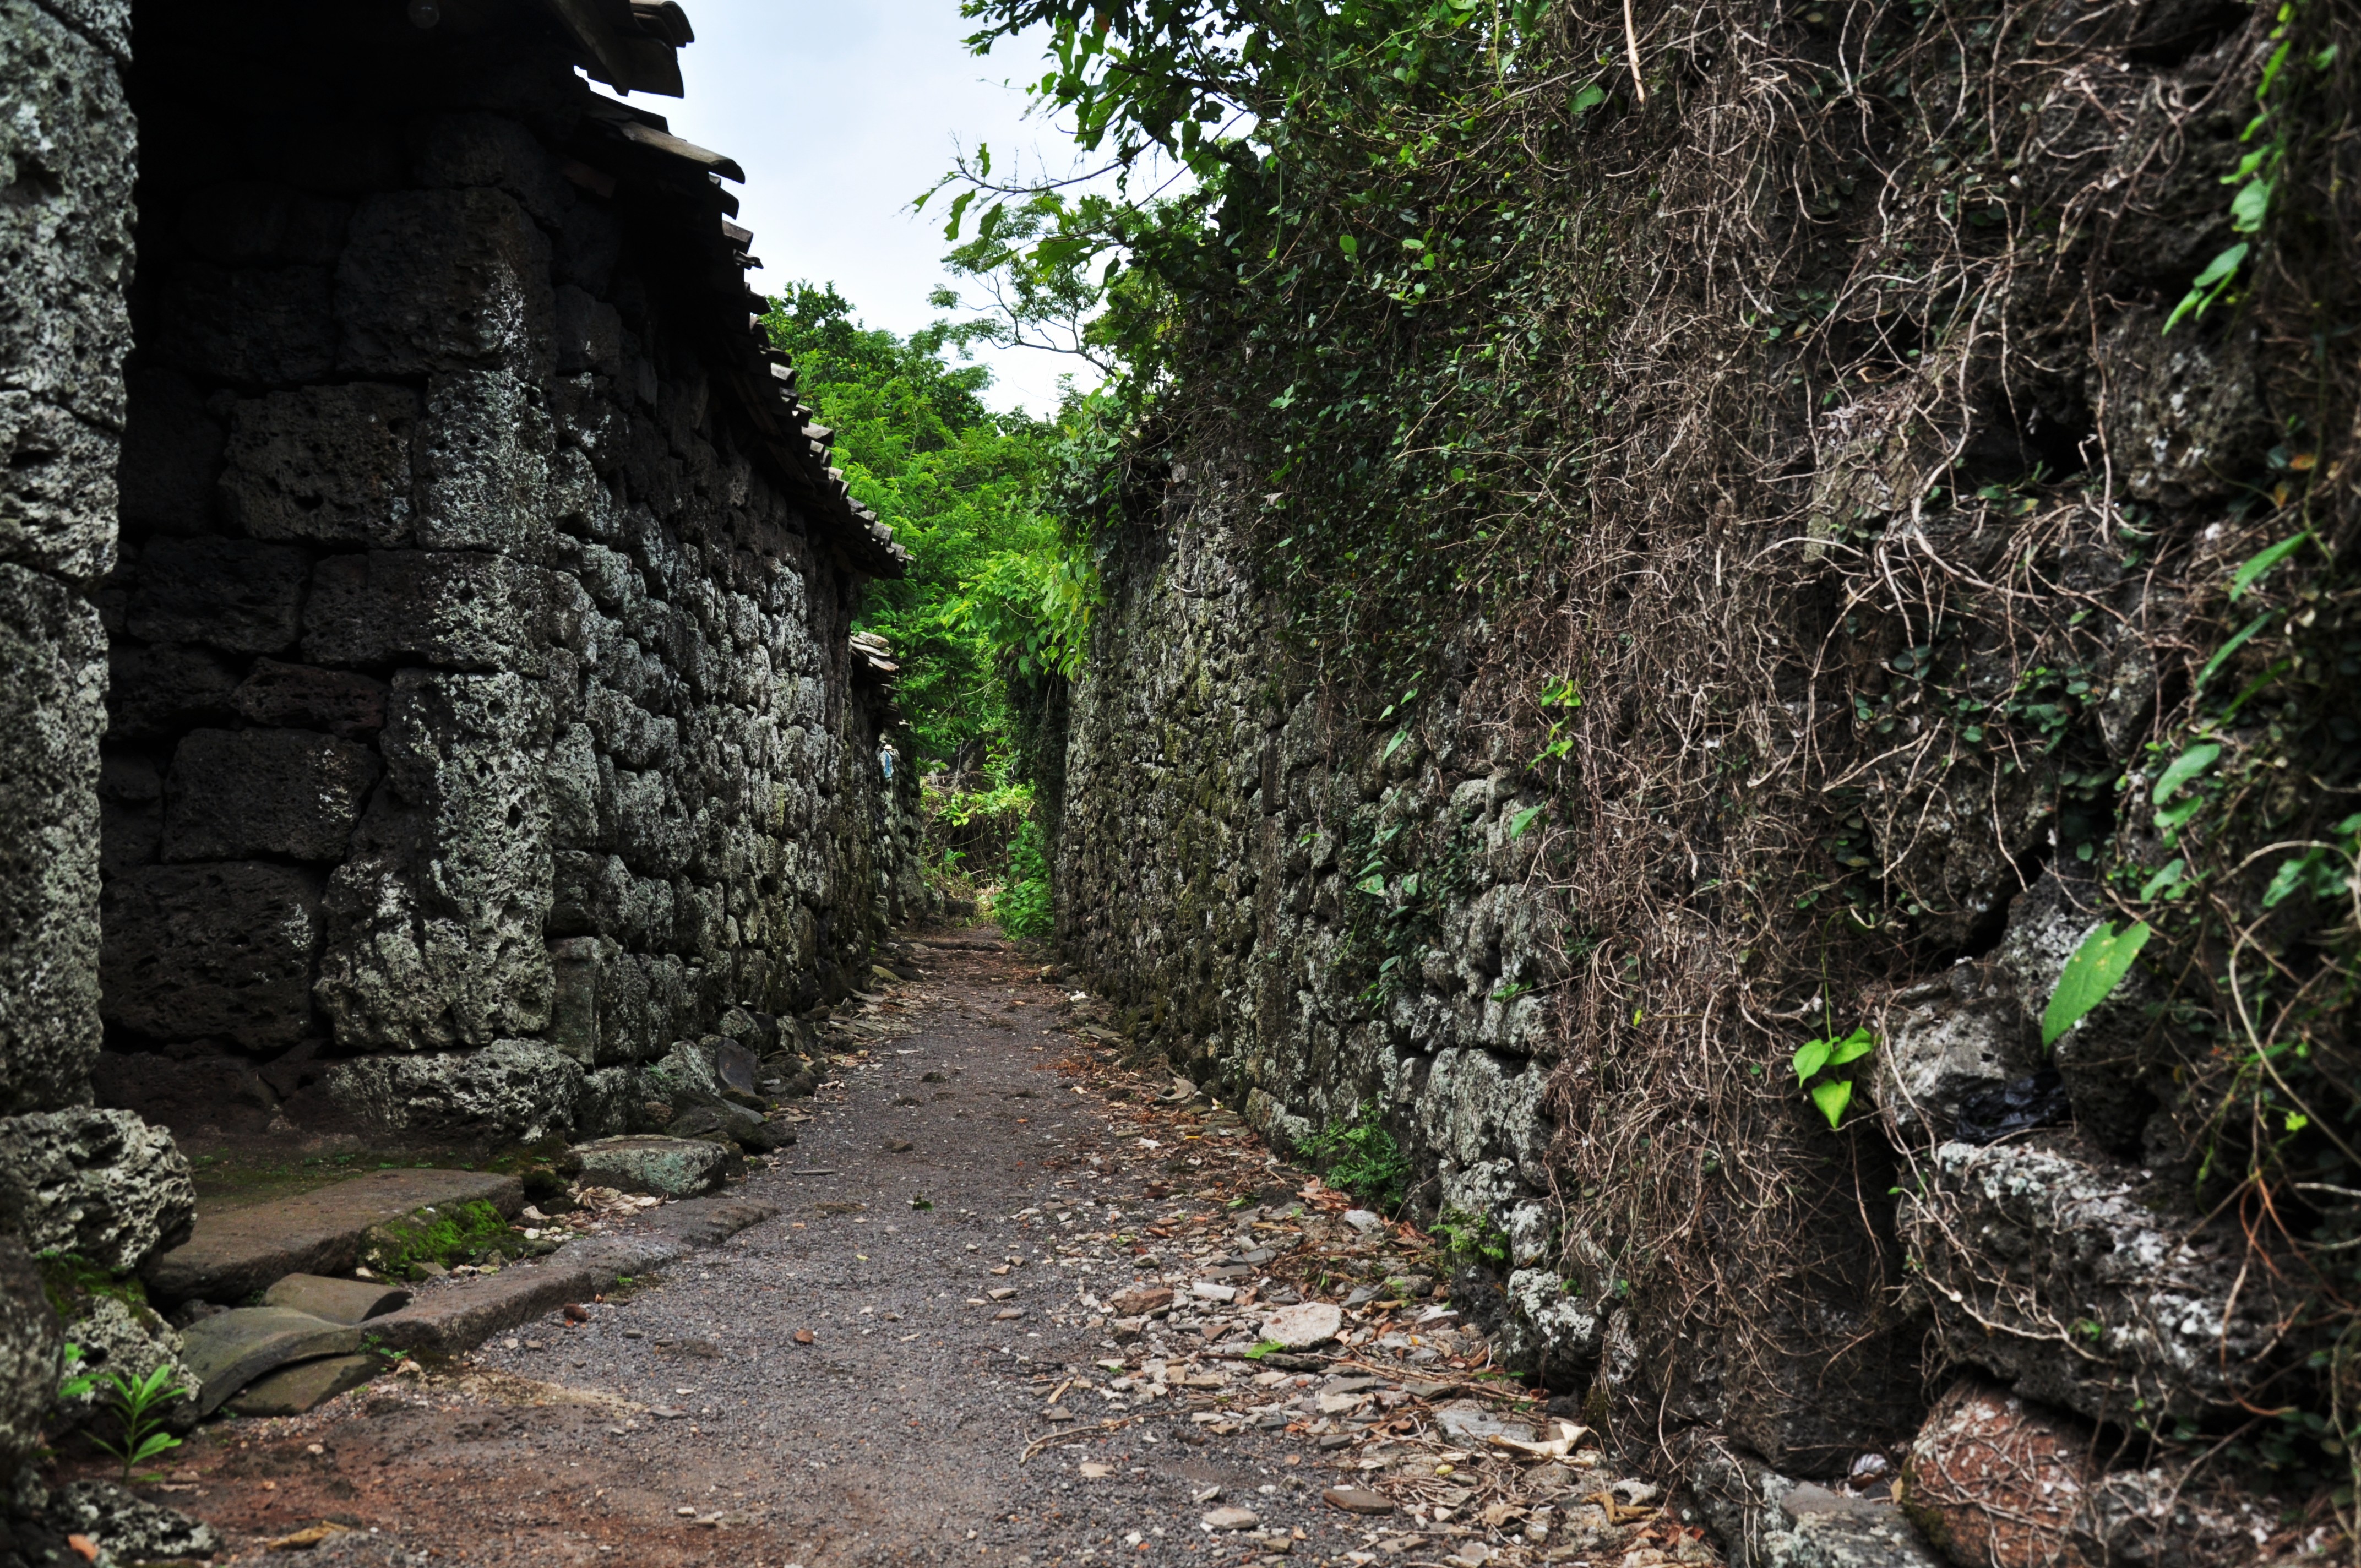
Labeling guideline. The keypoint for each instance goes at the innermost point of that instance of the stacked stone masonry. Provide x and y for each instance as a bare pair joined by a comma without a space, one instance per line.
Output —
474,679
2047,1264
427,696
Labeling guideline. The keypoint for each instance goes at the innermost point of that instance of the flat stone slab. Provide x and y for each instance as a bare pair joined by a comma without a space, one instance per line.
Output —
646,1162
1472,1423
1301,1327
230,1350
336,1300
292,1390
234,1253
455,1317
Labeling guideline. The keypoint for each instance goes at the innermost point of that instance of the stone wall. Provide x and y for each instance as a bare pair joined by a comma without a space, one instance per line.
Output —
479,677
425,689
1821,692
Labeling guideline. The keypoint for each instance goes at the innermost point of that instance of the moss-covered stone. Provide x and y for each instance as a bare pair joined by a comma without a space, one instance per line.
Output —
444,1235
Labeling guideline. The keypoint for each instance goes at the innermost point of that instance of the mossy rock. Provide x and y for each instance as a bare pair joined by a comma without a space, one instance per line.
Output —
445,1234
72,1282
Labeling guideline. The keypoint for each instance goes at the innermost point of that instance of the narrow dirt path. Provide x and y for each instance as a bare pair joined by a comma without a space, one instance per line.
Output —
914,1361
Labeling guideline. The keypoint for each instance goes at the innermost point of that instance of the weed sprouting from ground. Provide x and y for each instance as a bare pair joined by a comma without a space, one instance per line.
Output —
1362,1156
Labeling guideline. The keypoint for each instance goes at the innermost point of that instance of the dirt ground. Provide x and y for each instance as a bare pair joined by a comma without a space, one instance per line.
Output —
916,1360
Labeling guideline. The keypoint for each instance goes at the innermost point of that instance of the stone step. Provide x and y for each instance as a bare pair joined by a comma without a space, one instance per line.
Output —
235,1253
458,1316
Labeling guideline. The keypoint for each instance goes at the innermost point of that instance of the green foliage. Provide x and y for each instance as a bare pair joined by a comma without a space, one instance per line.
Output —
2259,172
1831,1094
1362,1156
138,1404
2092,975
1025,906
76,1382
69,1280
992,589
1472,1236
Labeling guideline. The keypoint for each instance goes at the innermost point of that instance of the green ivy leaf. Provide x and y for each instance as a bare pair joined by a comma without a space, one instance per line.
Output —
2092,975
2259,564
1832,1097
1853,1048
1810,1057
2250,206
2185,767
2209,283
1348,245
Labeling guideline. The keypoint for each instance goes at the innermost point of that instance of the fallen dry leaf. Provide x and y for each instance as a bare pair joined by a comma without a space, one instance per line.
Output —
305,1539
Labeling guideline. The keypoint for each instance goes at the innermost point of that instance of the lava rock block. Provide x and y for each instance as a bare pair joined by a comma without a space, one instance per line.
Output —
129,1529
57,487
1957,1039
2171,1318
120,1334
436,921
331,465
668,1168
348,705
438,280
242,223
68,135
237,594
130,812
267,325
223,951
1993,1479
29,1346
195,1093
172,453
485,464
101,1184
232,794
512,1092
50,719
493,150
458,610
157,692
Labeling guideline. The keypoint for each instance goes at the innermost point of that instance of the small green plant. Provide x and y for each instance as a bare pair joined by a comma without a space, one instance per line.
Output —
138,1403
1362,1158
1472,1235
1831,1094
76,1384
2092,975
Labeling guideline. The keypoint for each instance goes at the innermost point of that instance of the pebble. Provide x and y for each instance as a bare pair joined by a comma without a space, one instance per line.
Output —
1233,1518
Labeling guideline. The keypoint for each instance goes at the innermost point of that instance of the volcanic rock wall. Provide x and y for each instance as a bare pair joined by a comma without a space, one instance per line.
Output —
1855,674
425,689
478,684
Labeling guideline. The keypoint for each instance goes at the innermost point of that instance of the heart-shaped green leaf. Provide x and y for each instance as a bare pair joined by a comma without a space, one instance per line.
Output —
1832,1097
1812,1055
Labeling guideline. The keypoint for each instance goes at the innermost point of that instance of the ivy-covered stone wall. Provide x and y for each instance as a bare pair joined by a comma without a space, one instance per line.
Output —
1751,651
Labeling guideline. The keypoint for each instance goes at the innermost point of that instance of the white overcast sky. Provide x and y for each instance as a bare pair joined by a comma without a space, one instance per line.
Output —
841,114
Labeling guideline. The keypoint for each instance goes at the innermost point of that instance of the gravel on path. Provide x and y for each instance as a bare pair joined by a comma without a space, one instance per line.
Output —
951,1345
